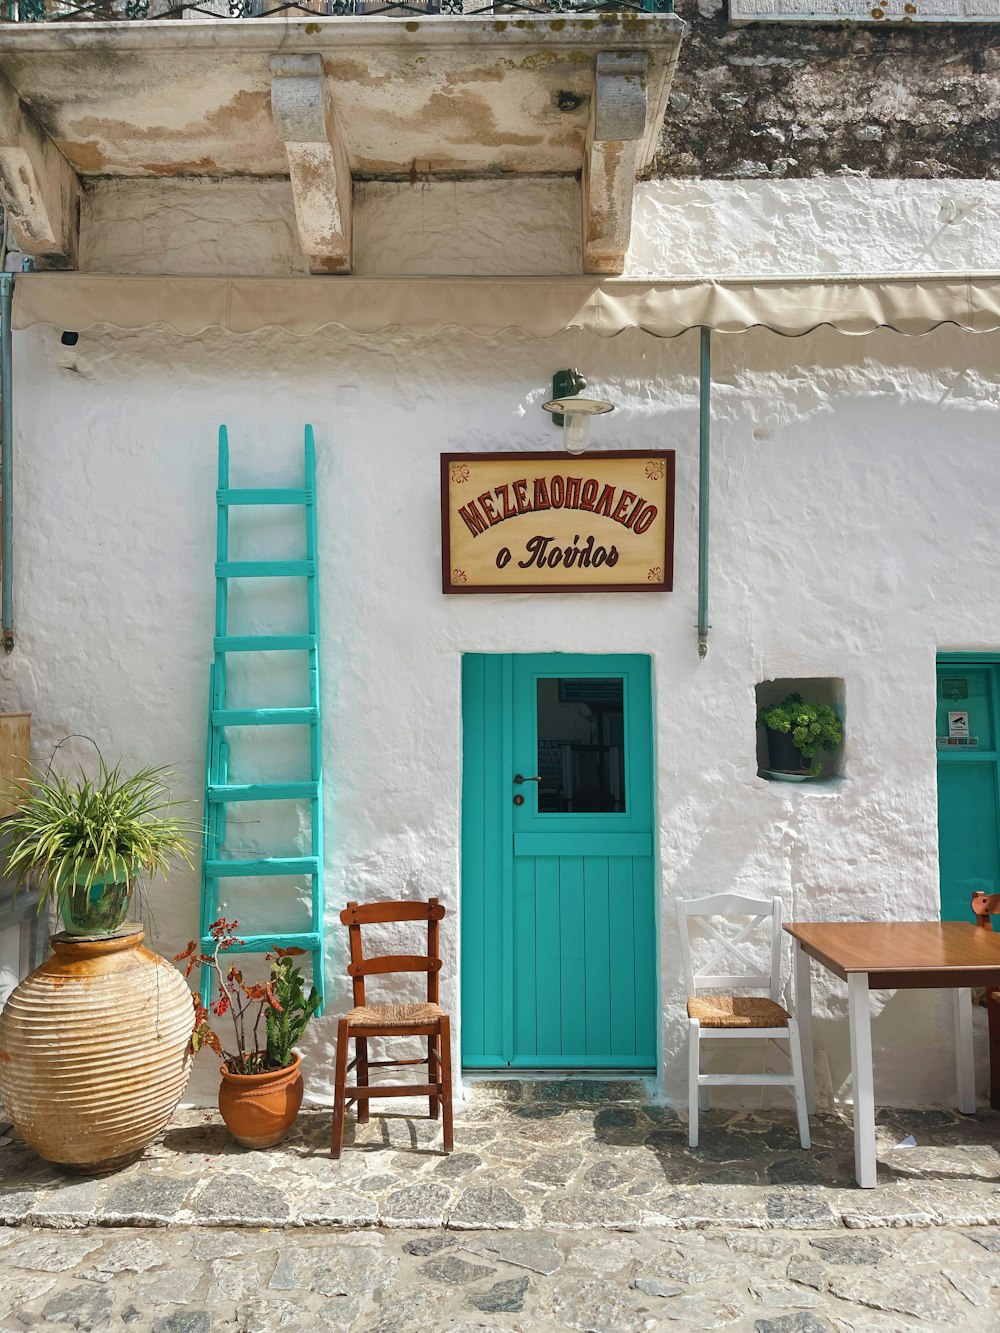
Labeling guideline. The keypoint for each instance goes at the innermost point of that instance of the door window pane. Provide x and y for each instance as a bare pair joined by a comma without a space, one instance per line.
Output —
581,745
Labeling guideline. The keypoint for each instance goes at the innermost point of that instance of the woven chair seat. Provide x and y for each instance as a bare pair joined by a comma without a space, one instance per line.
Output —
394,1015
737,1011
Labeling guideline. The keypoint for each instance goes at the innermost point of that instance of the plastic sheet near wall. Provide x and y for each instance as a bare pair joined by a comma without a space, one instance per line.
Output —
541,307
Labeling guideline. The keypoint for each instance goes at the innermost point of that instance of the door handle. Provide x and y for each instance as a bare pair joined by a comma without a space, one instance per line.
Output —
519,779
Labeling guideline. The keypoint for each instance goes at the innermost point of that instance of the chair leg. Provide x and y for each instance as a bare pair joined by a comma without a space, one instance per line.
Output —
361,1076
801,1109
694,1066
340,1088
765,1099
434,1073
446,1109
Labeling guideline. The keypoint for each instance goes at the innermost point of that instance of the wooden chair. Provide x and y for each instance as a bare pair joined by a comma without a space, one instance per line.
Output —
730,967
985,905
393,1020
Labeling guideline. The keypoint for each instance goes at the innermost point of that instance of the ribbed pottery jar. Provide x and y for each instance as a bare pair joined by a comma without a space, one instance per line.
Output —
95,1050
260,1109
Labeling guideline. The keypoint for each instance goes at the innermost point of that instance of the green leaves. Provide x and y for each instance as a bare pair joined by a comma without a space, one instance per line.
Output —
286,1025
812,726
89,831
280,1002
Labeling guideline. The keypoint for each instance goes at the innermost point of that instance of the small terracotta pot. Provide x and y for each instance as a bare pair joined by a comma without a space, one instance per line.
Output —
260,1109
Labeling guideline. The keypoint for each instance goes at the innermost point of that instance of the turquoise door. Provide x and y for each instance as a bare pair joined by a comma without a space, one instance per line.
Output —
968,781
558,920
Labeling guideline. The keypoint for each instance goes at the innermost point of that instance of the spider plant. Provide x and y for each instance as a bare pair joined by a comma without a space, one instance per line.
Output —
69,836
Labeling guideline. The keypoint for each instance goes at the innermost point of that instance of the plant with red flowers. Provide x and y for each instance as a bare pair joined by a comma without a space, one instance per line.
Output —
280,1003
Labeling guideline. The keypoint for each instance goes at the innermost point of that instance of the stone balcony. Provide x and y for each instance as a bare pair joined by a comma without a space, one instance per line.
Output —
327,101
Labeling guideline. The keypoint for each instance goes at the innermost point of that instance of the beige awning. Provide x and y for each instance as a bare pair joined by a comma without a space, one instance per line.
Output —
540,307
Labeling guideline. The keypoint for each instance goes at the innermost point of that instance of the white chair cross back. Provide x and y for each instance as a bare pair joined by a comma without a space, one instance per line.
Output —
734,964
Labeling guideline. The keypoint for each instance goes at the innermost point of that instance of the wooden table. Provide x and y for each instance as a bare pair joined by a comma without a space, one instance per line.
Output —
900,955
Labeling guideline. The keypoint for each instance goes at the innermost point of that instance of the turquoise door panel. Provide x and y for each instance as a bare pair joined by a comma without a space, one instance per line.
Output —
974,687
968,785
583,844
558,934
484,864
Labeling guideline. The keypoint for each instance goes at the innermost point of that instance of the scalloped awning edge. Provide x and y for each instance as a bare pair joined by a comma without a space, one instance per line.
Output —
541,307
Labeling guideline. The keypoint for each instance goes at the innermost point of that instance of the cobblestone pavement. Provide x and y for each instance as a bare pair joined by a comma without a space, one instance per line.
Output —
193,1280
528,1160
559,1209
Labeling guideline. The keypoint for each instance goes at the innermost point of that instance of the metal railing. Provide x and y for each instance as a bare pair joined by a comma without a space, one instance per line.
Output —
118,11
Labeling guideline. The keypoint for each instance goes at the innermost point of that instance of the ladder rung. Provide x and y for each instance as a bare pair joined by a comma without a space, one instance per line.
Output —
263,717
308,940
284,495
263,643
267,865
264,569
263,791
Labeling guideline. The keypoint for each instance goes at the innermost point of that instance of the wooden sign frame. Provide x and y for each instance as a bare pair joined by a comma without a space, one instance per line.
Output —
452,584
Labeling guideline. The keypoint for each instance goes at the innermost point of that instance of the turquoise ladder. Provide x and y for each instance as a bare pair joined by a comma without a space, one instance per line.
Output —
219,791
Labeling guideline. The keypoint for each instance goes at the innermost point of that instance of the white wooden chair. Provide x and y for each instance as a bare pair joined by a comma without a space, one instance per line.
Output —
730,966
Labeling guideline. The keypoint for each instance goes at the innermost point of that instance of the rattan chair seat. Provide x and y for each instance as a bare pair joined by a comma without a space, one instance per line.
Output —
737,1011
394,1015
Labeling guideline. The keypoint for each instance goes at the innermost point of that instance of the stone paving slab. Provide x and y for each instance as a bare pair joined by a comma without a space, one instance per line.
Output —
530,1162
191,1280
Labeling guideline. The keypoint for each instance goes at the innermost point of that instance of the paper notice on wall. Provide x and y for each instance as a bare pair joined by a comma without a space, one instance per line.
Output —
958,725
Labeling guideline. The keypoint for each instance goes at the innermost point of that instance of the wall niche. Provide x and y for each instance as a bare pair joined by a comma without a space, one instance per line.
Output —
778,760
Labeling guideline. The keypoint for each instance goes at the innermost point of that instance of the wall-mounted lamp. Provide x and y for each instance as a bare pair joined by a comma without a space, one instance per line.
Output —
571,412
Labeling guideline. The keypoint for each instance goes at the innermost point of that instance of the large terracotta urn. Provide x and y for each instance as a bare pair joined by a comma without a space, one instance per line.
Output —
95,1050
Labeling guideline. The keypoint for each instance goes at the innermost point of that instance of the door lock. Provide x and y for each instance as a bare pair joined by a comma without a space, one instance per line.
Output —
519,779
519,799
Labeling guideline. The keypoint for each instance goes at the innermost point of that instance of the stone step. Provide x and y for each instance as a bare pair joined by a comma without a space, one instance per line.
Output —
567,1091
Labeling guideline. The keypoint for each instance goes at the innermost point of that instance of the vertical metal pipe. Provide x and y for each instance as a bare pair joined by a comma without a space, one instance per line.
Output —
704,474
7,458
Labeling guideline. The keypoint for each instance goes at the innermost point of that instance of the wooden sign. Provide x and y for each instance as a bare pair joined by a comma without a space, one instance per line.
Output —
552,522
15,759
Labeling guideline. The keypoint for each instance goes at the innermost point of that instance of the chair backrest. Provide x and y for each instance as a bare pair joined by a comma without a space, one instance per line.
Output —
730,964
356,915
985,905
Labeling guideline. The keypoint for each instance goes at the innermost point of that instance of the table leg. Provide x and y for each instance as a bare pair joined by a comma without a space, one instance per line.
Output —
993,1029
804,1017
965,1061
863,1078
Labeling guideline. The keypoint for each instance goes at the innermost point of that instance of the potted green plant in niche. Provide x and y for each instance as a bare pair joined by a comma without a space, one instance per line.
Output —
85,842
797,730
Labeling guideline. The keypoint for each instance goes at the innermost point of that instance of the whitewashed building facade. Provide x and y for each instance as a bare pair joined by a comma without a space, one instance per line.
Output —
378,226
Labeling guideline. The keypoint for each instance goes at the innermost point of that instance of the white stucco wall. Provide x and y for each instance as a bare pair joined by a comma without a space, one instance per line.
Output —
10,960
838,224
853,535
189,226
680,228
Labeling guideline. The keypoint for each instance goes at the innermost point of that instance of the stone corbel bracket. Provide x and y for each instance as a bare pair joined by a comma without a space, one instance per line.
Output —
39,188
317,162
617,126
